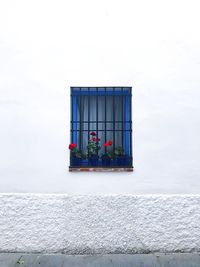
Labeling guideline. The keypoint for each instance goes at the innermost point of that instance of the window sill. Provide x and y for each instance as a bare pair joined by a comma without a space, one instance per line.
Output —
100,169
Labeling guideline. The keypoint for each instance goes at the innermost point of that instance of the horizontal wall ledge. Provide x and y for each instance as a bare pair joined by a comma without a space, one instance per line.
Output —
100,169
59,223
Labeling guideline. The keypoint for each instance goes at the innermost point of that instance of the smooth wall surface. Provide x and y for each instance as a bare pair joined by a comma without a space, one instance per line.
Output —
48,46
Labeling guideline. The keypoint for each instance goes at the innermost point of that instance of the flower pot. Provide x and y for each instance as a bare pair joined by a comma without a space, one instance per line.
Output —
76,161
93,160
121,160
114,162
127,161
106,161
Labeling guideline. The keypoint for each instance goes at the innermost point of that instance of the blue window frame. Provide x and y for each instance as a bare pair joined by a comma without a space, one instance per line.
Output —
101,127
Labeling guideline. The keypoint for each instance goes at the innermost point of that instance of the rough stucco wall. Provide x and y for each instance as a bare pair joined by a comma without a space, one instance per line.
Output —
99,224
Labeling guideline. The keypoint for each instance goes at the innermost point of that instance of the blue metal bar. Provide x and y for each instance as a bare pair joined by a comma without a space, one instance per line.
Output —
80,123
122,119
101,93
105,138
88,123
127,125
130,111
97,116
74,124
114,119
93,130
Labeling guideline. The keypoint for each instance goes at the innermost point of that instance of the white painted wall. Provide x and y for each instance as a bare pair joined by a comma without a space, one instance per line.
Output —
48,46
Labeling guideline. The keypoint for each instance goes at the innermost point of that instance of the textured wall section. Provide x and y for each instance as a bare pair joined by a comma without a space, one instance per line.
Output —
99,224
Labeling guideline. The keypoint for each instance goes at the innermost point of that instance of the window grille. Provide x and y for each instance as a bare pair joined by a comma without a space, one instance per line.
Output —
101,118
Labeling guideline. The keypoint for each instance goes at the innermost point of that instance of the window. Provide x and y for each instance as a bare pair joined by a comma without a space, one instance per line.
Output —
101,127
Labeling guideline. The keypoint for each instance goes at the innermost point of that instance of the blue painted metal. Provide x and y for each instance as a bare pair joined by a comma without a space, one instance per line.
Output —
125,93
74,122
127,125
101,93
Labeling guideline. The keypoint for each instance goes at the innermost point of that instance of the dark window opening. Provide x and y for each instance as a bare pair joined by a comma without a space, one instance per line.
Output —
101,127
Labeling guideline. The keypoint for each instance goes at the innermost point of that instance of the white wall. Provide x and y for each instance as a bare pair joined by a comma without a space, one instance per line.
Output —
99,224
48,46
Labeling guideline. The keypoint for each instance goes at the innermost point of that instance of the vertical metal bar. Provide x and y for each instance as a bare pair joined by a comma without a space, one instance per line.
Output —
88,120
80,117
122,118
71,134
131,126
126,124
97,122
105,120
113,119
71,117
74,130
74,122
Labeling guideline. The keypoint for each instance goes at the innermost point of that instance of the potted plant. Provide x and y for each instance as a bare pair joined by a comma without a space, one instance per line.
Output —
76,155
108,155
93,148
120,157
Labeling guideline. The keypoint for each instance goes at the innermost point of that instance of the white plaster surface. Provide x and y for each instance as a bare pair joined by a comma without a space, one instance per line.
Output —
47,46
99,224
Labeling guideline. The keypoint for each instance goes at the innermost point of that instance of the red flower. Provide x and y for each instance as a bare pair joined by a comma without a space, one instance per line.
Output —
110,142
93,133
72,146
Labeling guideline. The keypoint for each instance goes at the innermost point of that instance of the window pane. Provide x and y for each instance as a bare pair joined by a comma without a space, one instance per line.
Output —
92,109
109,126
101,108
118,139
